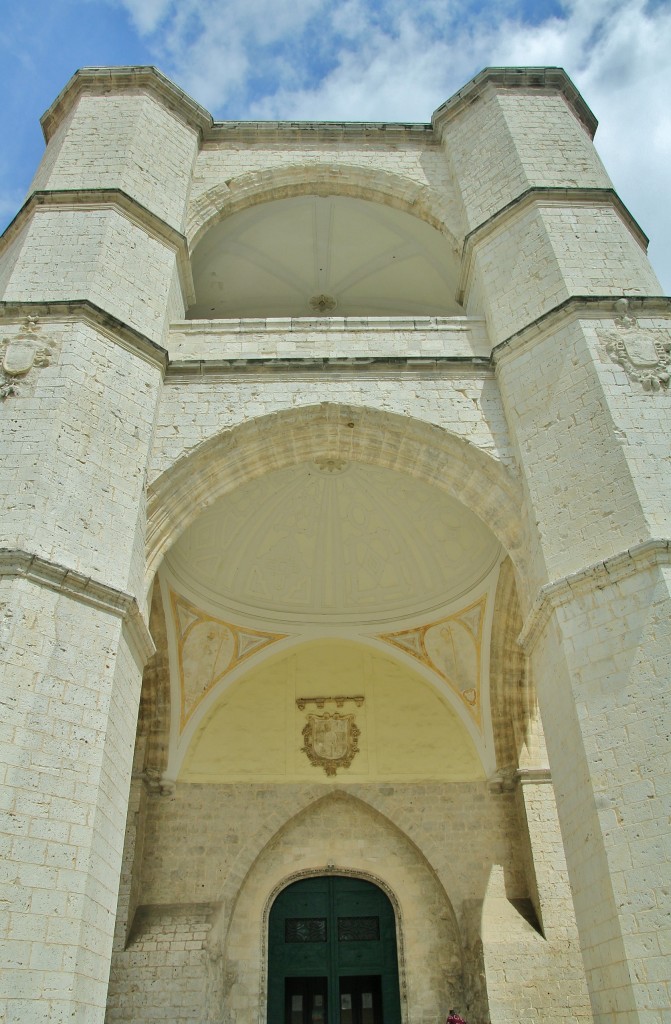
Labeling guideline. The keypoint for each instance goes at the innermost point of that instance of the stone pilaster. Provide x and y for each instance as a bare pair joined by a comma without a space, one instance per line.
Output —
584,380
90,271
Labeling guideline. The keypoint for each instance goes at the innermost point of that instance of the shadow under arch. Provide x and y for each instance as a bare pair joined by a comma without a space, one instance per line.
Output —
398,868
335,179
364,434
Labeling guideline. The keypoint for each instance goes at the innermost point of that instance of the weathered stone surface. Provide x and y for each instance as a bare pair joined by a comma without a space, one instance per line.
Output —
541,411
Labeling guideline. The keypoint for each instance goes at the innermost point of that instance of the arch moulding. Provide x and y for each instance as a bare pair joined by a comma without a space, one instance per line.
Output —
355,182
354,433
404,880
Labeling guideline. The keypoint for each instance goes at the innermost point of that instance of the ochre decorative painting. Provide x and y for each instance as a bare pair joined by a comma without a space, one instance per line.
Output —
451,647
209,649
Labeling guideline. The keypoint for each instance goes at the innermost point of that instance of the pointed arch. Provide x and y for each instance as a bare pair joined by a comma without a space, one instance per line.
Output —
371,847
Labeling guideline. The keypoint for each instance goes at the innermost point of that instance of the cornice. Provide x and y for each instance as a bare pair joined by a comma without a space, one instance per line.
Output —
87,312
328,325
580,307
533,776
116,199
506,779
598,575
369,133
545,195
18,564
547,78
104,81
99,81
190,370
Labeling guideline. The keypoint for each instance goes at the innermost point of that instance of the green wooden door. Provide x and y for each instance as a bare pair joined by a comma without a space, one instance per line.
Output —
332,954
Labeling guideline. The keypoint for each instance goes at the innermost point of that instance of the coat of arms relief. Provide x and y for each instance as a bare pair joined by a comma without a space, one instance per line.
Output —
331,740
644,355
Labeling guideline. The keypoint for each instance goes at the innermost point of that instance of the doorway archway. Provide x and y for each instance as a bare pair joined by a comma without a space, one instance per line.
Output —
332,954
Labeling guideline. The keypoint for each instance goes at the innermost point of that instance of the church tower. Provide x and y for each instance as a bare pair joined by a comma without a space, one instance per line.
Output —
335,568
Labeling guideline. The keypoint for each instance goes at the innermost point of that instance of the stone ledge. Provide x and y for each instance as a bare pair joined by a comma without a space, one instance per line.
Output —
18,564
612,570
341,337
586,307
533,776
109,198
189,370
381,133
506,779
87,312
544,194
103,81
346,324
516,78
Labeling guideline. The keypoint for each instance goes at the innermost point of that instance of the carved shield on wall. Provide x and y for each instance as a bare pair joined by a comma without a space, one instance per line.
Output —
19,357
640,348
330,741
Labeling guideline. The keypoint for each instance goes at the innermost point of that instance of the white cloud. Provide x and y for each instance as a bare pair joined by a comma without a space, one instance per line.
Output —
147,15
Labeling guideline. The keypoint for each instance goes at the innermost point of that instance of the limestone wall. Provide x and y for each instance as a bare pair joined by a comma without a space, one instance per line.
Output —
194,411
215,854
123,141
66,748
75,439
241,165
516,138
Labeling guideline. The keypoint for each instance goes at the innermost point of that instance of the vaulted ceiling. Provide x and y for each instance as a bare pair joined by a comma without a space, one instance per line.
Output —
333,553
323,256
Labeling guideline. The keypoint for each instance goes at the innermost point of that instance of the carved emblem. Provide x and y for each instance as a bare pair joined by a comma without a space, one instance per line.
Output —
643,356
330,741
19,357
20,354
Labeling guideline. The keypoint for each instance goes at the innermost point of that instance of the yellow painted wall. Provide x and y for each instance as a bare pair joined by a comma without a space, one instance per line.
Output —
407,730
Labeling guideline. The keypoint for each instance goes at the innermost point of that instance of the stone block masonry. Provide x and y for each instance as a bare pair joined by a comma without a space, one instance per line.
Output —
540,411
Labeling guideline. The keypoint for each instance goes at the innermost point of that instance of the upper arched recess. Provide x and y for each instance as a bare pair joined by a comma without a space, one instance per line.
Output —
317,255
333,432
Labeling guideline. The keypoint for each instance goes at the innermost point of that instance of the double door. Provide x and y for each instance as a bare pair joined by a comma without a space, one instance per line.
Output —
332,954
359,1000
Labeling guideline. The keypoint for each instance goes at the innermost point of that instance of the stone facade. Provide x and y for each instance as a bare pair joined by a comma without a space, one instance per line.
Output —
420,484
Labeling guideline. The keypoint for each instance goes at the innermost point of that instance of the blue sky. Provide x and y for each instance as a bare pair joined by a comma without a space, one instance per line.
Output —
387,60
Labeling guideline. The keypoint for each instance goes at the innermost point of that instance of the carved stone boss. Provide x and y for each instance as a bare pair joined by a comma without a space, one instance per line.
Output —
330,741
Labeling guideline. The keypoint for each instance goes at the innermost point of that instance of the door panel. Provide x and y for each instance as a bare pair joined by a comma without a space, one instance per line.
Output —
306,1001
334,930
360,999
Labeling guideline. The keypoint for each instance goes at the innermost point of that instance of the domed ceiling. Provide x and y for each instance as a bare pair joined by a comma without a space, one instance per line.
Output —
332,542
323,256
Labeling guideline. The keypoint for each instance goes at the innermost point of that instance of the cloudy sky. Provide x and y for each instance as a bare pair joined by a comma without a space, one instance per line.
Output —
364,60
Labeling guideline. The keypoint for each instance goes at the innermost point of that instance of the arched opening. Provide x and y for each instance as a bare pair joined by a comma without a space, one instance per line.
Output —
328,435
326,592
332,954
326,575
316,255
